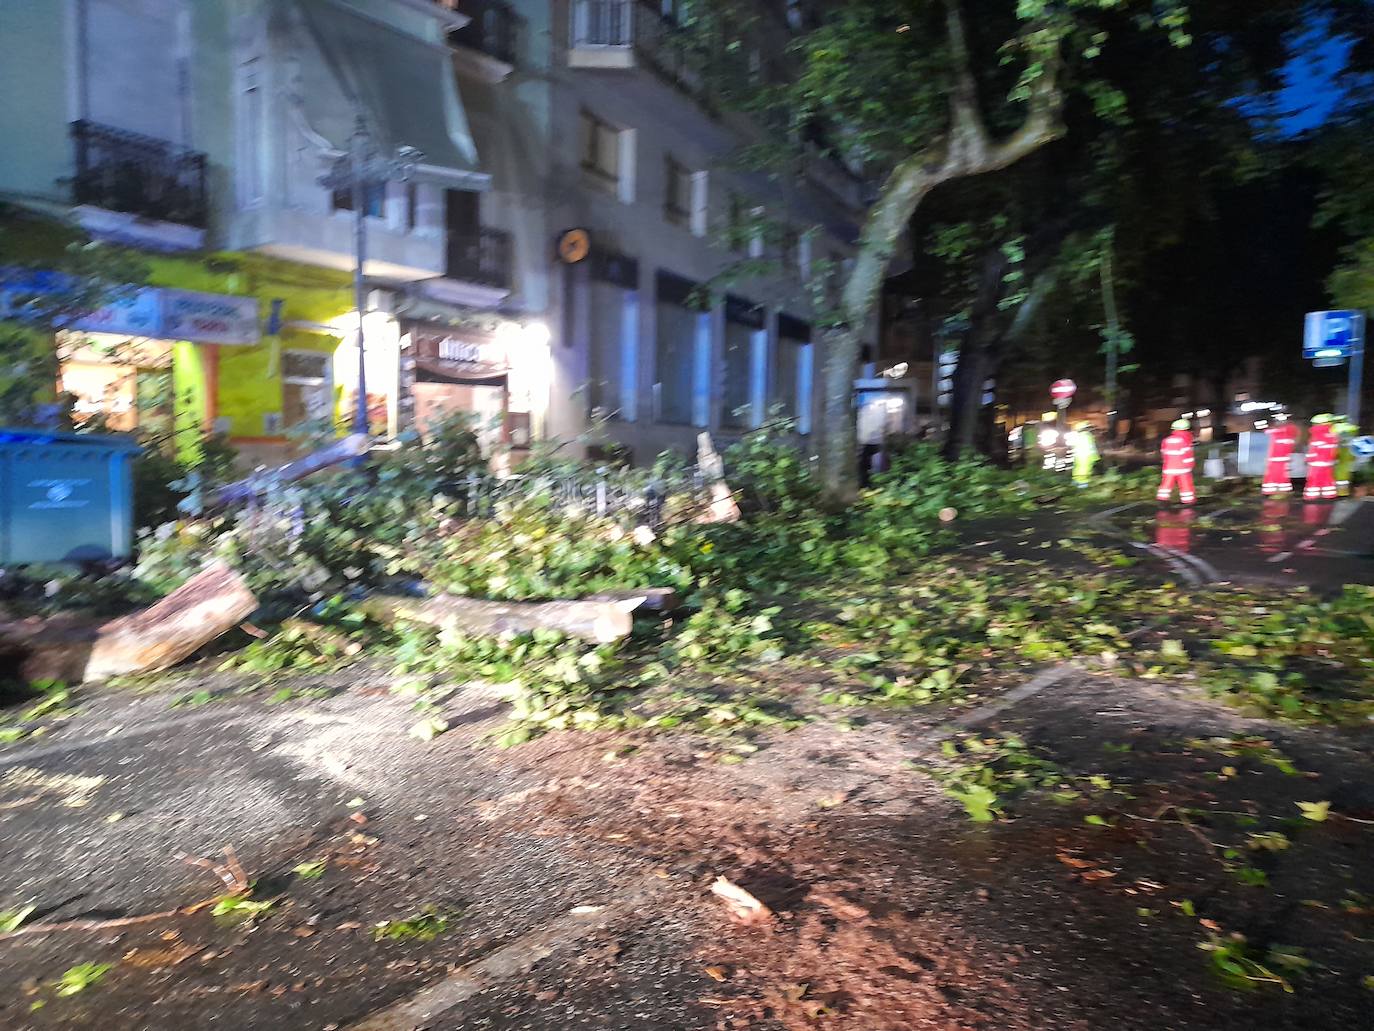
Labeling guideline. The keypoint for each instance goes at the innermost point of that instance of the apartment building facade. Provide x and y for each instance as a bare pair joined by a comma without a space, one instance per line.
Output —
546,261
641,162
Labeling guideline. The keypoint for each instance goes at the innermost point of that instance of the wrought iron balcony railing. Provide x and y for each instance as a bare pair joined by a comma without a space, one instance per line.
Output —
639,26
492,31
484,258
139,175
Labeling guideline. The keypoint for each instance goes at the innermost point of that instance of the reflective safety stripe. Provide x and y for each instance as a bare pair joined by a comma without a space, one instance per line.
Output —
1321,465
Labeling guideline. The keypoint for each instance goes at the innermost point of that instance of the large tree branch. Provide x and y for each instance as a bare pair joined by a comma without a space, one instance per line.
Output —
966,152
1043,123
887,220
967,133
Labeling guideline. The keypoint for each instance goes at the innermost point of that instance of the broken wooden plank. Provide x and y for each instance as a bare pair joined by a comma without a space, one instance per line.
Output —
351,446
153,639
598,621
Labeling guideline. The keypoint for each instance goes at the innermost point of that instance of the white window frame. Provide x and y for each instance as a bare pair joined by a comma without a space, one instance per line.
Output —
325,382
593,146
679,192
249,132
756,241
701,203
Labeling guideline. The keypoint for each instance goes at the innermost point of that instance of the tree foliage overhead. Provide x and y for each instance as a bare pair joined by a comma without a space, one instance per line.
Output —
911,96
1139,208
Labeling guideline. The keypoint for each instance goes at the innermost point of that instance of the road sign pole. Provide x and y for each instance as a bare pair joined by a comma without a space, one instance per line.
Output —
1352,398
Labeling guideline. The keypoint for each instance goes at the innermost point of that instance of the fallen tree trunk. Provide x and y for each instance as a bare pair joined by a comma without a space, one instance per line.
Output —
651,599
156,638
352,446
599,621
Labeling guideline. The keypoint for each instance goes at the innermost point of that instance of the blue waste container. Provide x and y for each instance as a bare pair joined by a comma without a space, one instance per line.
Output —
65,497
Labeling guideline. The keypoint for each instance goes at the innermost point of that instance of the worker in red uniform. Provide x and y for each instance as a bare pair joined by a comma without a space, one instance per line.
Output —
1174,530
1177,450
1283,440
1273,536
1321,460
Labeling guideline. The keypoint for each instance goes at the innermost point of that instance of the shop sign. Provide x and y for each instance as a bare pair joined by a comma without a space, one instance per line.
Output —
137,315
463,356
209,318
146,312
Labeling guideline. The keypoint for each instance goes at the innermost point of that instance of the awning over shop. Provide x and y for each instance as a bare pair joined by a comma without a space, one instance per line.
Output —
403,87
472,374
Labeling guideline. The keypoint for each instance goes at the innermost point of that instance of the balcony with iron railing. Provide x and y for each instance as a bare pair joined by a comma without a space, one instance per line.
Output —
493,30
629,34
139,175
483,258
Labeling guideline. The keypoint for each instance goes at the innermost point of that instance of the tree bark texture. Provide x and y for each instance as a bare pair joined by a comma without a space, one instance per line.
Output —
598,621
212,602
966,150
991,338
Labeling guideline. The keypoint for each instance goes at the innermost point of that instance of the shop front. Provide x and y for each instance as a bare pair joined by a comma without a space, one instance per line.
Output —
492,372
117,383
464,374
146,362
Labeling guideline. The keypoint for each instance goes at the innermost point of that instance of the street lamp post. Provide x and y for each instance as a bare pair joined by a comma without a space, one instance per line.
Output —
360,171
1113,334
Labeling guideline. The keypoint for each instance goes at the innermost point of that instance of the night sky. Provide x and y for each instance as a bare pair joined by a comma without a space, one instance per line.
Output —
1311,92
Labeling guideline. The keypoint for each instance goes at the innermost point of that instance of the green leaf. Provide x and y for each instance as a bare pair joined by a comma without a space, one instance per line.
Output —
978,801
429,729
10,919
241,905
1317,812
80,977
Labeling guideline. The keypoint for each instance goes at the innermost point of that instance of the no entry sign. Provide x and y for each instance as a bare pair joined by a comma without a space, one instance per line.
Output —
1062,389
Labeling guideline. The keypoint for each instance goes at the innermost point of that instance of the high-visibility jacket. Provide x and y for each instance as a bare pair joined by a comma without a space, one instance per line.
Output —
1321,448
1177,450
1085,454
1283,441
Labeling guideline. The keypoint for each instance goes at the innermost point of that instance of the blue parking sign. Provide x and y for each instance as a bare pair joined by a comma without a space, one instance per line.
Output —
1333,334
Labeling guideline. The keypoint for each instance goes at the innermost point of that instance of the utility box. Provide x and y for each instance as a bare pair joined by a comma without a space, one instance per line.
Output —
1252,453
65,497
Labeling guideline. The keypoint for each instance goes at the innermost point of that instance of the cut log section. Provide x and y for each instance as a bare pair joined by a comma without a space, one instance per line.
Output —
156,638
598,621
652,599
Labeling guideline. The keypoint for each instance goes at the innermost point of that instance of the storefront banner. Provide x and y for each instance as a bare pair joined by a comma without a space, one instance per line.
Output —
209,318
145,312
29,293
137,315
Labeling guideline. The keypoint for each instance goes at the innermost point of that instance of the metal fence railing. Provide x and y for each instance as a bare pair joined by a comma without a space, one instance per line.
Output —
139,175
605,494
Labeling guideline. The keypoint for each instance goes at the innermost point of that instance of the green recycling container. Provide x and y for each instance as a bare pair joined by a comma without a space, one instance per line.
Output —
65,497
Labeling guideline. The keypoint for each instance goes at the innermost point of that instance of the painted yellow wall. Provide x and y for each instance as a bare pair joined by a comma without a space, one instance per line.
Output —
189,397
249,378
